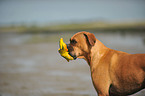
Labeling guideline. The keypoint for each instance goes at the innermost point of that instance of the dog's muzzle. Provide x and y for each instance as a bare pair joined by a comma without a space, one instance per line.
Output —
70,49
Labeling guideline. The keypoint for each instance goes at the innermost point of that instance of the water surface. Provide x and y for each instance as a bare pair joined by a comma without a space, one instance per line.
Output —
31,65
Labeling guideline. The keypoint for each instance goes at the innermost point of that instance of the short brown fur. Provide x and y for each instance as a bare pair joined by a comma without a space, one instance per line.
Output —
114,73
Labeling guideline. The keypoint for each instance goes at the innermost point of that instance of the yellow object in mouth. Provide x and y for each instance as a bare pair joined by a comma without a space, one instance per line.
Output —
64,51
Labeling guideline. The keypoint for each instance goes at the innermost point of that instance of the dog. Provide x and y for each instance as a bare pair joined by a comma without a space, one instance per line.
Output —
113,73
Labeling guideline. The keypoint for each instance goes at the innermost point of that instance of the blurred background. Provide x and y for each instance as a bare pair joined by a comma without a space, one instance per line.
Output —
30,64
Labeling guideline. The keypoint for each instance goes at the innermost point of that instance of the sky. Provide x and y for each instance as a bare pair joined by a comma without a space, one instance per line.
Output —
55,11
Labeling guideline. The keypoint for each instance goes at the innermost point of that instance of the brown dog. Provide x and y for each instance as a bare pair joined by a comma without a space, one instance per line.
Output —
114,73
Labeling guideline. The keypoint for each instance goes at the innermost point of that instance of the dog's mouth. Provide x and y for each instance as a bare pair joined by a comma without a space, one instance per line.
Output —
74,56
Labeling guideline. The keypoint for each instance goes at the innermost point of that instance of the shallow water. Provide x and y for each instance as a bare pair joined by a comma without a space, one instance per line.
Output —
30,64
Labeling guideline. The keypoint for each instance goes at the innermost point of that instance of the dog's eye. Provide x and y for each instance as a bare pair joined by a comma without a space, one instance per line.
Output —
73,41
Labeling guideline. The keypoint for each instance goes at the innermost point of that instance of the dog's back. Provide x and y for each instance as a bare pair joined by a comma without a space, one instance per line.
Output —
127,72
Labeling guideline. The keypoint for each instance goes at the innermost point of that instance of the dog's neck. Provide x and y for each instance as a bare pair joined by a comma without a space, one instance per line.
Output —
97,52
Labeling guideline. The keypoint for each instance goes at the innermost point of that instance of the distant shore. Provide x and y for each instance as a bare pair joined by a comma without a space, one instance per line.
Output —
95,26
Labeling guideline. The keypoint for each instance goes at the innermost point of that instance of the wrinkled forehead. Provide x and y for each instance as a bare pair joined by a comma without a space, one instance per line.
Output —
78,36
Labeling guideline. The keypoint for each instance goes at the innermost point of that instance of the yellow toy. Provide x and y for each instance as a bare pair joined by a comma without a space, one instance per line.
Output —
64,51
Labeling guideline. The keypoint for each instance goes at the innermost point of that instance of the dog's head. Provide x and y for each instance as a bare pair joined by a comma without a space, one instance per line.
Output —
80,44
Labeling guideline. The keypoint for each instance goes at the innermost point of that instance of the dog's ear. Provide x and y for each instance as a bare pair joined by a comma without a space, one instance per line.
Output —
90,38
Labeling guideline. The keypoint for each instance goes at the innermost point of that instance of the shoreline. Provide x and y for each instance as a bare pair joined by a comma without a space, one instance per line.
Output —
86,26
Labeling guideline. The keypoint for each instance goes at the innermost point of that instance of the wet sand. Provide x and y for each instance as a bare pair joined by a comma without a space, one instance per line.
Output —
36,69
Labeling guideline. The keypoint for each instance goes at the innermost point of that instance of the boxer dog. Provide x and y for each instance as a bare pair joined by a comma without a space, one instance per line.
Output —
113,73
